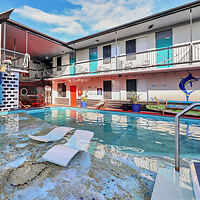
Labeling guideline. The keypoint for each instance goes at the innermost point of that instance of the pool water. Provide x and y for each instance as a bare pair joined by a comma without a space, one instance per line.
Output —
132,133
122,161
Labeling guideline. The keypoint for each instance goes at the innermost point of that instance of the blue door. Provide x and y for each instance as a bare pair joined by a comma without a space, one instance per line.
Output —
164,40
72,61
93,56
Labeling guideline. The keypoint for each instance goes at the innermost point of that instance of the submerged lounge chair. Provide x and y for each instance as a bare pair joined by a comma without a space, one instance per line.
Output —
53,135
101,104
62,154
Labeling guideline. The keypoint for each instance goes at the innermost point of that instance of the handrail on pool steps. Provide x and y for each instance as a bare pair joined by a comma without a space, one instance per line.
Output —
177,141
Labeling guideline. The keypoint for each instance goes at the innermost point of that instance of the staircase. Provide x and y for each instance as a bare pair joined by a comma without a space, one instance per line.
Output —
195,172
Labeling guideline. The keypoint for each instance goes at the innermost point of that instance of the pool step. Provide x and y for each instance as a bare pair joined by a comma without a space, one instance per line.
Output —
116,104
170,185
195,171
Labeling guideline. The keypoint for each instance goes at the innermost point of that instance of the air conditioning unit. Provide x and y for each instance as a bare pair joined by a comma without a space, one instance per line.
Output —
107,61
131,57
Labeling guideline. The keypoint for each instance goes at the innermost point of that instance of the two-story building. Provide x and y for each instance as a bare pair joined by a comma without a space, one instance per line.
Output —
152,57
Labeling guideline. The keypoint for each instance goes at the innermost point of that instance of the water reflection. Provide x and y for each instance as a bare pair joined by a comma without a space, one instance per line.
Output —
131,133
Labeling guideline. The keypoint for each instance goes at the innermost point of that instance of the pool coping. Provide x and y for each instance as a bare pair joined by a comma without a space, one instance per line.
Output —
91,108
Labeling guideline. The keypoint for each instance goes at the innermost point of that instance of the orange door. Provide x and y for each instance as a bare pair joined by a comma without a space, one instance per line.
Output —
73,95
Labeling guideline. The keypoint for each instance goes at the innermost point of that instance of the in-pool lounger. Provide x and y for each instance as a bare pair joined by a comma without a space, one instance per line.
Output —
53,135
62,154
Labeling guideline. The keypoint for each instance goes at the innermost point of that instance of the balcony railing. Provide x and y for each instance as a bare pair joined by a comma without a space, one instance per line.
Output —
158,58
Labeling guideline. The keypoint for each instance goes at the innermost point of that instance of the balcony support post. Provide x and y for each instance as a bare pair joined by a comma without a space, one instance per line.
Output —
191,46
116,49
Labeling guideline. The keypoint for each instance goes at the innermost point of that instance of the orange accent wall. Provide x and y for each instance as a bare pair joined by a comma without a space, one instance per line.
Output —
73,95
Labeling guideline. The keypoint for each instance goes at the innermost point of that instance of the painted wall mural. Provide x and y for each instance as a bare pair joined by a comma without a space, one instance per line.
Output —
184,82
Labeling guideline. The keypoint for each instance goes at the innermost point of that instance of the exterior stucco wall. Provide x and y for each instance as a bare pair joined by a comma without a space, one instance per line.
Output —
162,85
166,86
181,34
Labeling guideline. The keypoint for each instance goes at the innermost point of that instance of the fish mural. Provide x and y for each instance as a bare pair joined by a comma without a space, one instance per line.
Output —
184,82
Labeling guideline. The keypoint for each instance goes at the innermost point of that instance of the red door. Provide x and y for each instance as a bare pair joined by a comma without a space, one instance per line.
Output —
73,95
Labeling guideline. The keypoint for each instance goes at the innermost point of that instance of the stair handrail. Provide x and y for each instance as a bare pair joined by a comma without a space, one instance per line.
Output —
177,141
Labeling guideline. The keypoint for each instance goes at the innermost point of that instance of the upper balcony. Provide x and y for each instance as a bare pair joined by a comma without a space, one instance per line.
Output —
180,56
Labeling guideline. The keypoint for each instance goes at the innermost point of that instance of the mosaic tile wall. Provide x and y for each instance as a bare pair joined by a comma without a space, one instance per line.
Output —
10,91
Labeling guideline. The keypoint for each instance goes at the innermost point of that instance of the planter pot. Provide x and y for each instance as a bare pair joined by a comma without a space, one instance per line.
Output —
83,104
125,107
136,107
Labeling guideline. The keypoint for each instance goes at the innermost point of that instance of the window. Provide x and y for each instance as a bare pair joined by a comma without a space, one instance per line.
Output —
107,51
61,89
131,85
59,63
131,88
107,89
130,46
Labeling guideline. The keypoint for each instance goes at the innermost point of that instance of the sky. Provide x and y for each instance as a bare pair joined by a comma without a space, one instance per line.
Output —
68,20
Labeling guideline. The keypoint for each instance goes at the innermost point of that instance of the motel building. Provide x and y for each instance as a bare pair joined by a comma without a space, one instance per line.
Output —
156,56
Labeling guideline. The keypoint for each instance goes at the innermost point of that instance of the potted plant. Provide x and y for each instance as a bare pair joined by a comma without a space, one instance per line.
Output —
84,101
125,106
134,103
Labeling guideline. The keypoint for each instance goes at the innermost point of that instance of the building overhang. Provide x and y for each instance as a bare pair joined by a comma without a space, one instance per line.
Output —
5,15
21,39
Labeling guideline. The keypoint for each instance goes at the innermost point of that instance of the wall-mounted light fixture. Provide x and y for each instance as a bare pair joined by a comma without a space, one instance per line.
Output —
61,52
150,26
96,41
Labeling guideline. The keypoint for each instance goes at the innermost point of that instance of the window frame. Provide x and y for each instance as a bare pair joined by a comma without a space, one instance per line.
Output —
60,93
59,68
128,51
105,56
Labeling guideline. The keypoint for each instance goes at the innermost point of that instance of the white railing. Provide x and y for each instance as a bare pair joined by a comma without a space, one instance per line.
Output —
177,139
172,56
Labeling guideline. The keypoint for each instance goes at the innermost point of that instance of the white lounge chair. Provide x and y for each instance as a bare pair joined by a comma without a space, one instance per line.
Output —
53,135
62,154
101,104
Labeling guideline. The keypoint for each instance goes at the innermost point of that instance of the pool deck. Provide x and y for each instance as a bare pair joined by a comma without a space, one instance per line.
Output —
170,185
105,109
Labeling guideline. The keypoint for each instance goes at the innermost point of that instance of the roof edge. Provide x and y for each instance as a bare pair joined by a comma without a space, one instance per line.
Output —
12,22
139,21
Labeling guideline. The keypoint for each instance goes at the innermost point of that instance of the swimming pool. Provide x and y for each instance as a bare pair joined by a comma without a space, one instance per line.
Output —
122,162
133,133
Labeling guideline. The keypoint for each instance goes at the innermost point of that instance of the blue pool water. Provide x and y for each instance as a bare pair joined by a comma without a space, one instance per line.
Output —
133,133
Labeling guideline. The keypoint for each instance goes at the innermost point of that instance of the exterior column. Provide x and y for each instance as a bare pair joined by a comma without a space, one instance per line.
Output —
54,91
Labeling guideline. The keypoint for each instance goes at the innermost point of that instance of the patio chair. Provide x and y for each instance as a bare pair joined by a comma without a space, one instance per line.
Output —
62,154
101,104
53,135
23,105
